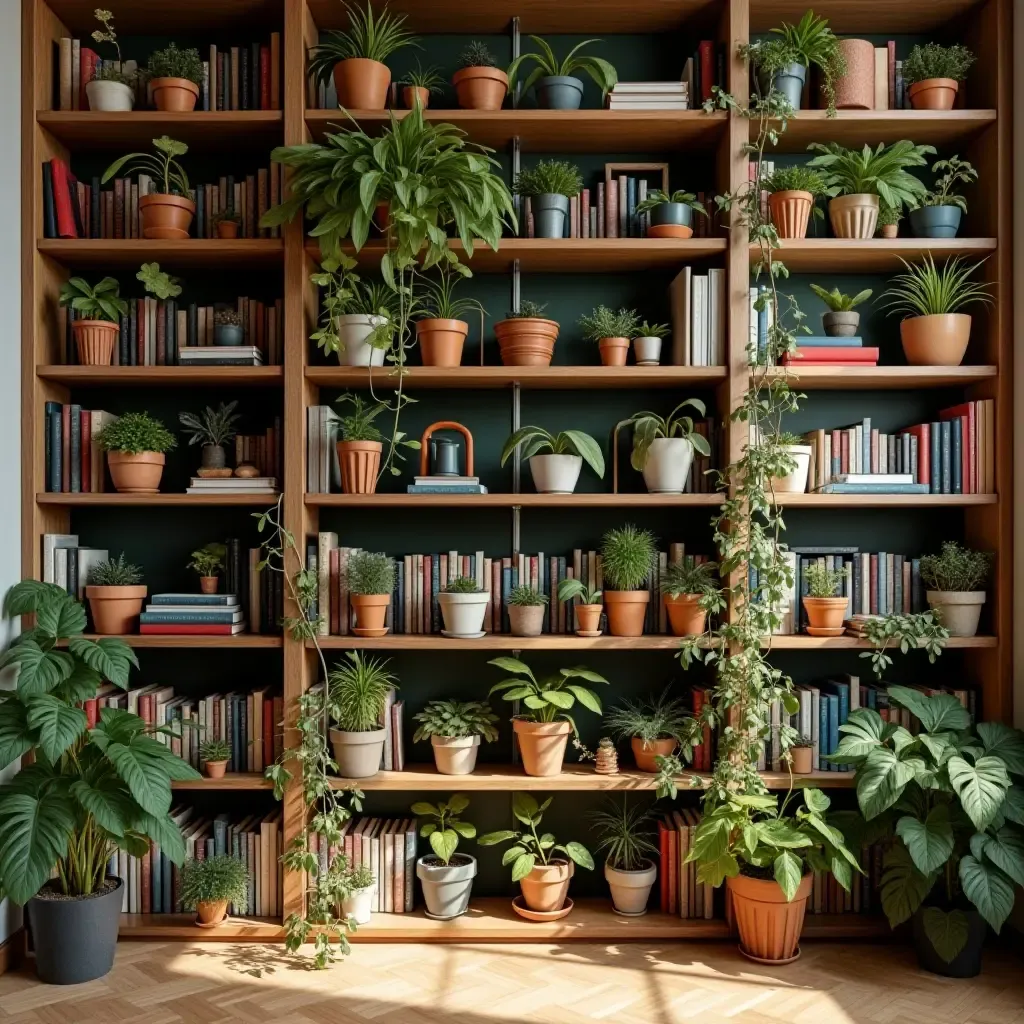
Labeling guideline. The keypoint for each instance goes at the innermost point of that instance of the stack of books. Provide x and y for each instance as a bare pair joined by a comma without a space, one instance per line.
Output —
649,96
67,564
446,485
822,350
193,614
233,485
221,355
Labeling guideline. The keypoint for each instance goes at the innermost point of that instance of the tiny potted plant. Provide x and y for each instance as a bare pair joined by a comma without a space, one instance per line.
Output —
841,320
655,728
175,77
588,611
825,607
212,428
663,446
463,604
933,73
627,554
549,185
354,888
541,865
525,337
214,756
360,445
801,756
227,223
526,610
671,213
97,328
371,578
209,886
446,877
688,590
479,83
889,218
955,579
557,472
937,213
167,211
456,729
420,84
791,195
111,89
647,343
207,561
135,444
227,327
553,82
625,837
612,331
443,329
786,59
794,456
358,690
115,592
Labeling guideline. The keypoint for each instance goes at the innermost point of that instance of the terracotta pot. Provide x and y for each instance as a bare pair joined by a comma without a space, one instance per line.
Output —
360,463
413,94
825,615
208,584
936,340
803,760
174,94
227,229
370,610
136,473
646,753
166,216
115,610
212,913
547,885
480,88
933,94
856,89
441,341
455,755
958,610
526,340
889,230
769,927
95,340
854,216
526,619
685,615
613,351
588,618
215,769
362,84
626,610
790,211
542,745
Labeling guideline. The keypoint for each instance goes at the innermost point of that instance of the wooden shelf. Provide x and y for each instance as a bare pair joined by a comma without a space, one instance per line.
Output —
182,927
875,16
231,780
162,376
163,499
874,378
799,642
869,255
203,253
236,642
181,18
514,500
885,500
200,129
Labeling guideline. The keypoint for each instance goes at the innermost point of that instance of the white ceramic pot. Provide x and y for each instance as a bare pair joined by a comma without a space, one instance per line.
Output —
555,474
353,330
647,351
795,482
455,755
958,610
463,613
446,887
359,904
631,889
109,96
668,465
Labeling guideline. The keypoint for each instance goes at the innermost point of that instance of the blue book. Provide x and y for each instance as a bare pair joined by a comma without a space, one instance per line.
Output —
823,341
823,735
166,883
873,489
839,692
917,602
51,441
506,587
207,618
197,599
956,452
947,468
882,594
831,701
446,489
935,456
631,227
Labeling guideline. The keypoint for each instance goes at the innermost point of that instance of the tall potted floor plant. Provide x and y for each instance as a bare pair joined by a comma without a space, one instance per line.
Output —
627,555
89,792
359,694
446,876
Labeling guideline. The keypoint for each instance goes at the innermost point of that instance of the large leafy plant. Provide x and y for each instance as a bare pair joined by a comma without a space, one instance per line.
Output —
100,302
169,177
548,65
88,791
535,440
881,171
648,426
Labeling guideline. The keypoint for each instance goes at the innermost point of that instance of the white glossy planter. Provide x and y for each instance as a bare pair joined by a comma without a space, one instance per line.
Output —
958,610
455,755
668,465
647,351
463,613
109,96
630,889
795,482
353,330
555,474
358,905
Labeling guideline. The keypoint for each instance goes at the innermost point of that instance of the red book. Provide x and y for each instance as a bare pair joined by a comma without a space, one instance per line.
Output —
922,432
191,629
119,231
891,67
707,68
585,213
161,333
62,181
87,72
663,874
90,707
85,418
828,354
673,866
966,412
145,902
844,452
278,726
65,437
265,78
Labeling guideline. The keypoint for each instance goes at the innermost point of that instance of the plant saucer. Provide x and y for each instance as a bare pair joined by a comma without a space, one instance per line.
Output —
588,632
825,630
541,915
211,924
462,636
360,631
669,231
770,963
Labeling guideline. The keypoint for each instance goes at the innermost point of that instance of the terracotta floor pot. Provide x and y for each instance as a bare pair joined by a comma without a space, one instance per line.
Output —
360,463
370,610
227,229
854,216
613,351
362,84
115,610
936,340
526,340
685,615
825,615
958,610
136,473
441,341
588,618
645,753
769,927
212,912
790,212
803,760
178,95
455,755
626,610
166,216
413,94
933,94
542,745
856,89
480,88
95,341
215,769
631,889
526,619
547,885
208,584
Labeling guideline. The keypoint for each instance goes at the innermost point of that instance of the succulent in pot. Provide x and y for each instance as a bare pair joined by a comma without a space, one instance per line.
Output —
671,213
525,337
553,82
627,554
479,83
227,327
933,74
360,444
174,77
801,756
211,886
937,213
541,865
612,331
626,835
792,192
955,579
842,320
663,446
227,223
557,472
97,325
442,329
419,85
543,729
214,756
167,211
463,605
588,611
446,876
212,429
110,89
689,591
135,444
825,606
549,185
358,694
526,610
793,456
353,889
115,592
456,729
371,579
655,728
647,343
207,561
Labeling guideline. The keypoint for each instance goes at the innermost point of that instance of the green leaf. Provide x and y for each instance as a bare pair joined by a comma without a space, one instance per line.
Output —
39,671
107,802
903,886
15,736
444,843
58,724
947,931
1013,805
981,787
580,855
558,698
80,686
524,807
523,866
28,595
788,872
465,829
112,658
162,830
144,775
816,801
586,697
1005,743
938,712
511,854
493,838
988,889
457,803
881,780
33,837
421,809
929,842
864,731
60,619
781,835
512,665
1006,850
750,840
429,829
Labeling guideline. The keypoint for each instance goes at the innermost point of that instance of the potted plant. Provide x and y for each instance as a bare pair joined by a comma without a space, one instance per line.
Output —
801,756
111,89
360,445
212,428
526,610
825,607
541,865
90,792
227,223
858,179
933,330
937,214
549,185
446,877
557,472
611,331
214,756
167,211
371,579
950,797
175,77
663,446
655,728
207,561
442,330
525,338
115,594
671,213
479,83
956,579
554,85
542,730
420,84
933,73
688,591
791,195
358,692
627,554
355,57
588,611
808,42
647,343
209,886
101,308
841,321
889,218
357,319
455,729
135,444
797,455
227,327
625,837
463,604
354,889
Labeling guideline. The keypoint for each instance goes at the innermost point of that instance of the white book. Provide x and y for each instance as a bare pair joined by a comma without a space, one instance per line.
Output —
326,542
648,103
237,483
481,582
699,312
644,87
874,478
52,542
231,490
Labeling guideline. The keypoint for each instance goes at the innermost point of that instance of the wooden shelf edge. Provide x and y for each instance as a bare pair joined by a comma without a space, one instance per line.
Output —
514,500
885,500
79,376
113,498
842,378
181,927
240,640
231,780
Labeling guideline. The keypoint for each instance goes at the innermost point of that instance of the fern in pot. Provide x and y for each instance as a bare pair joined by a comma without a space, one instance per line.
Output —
479,83
212,429
612,331
663,446
456,728
628,554
360,688
689,591
955,579
115,592
446,876
463,605
937,214
136,444
555,459
826,608
626,838
210,886
371,579
933,74
655,728
549,185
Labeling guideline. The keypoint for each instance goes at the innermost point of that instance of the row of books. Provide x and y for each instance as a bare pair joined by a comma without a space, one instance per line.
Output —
822,349
74,461
679,891
698,313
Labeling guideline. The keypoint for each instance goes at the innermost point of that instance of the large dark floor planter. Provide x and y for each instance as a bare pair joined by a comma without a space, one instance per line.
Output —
967,963
75,939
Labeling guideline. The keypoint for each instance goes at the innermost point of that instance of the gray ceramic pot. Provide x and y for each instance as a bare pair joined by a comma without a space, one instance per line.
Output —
790,82
75,939
559,92
228,334
841,325
357,753
550,212
446,887
672,213
935,221
213,456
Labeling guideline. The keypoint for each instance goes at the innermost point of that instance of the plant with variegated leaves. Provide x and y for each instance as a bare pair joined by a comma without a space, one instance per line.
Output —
446,827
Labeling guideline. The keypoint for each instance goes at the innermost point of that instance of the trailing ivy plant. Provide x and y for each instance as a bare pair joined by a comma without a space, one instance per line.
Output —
921,629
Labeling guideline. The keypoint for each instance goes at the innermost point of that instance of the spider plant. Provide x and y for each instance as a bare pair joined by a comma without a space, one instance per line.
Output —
927,290
625,835
424,78
369,35
548,66
440,302
662,718
813,42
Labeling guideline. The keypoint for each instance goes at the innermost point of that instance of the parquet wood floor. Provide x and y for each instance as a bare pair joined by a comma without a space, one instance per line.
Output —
695,983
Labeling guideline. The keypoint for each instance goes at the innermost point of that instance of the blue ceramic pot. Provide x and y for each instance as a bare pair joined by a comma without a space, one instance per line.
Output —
228,334
790,83
672,213
550,211
559,92
935,221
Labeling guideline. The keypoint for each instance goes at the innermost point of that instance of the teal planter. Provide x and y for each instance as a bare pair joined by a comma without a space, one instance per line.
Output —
935,221
790,82
672,213
228,334
550,212
559,92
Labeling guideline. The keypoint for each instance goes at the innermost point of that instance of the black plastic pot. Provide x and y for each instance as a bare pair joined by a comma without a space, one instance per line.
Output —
74,939
967,963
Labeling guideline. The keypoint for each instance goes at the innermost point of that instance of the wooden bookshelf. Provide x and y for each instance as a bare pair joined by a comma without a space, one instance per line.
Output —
515,500
162,376
190,253
241,641
113,498
886,500
872,255
882,378
201,130
230,781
